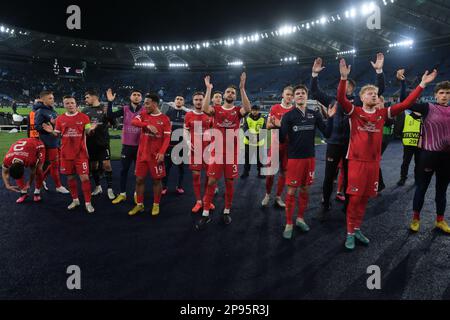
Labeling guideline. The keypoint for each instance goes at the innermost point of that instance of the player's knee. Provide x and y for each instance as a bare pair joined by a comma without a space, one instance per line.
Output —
291,191
140,180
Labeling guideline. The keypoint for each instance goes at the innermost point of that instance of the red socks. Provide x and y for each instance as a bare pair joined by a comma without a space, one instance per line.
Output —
302,204
157,193
86,188
280,184
140,198
196,178
21,183
229,192
416,215
290,206
73,187
209,195
355,212
269,184
352,212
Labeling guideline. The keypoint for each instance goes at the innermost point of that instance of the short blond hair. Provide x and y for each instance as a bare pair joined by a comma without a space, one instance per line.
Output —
368,87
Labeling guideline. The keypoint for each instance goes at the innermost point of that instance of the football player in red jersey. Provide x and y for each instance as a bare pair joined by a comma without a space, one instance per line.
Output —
217,98
216,101
73,126
153,144
226,131
275,115
24,153
197,124
364,153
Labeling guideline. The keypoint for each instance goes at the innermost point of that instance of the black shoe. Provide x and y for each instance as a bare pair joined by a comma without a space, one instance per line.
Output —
201,224
226,219
401,182
244,175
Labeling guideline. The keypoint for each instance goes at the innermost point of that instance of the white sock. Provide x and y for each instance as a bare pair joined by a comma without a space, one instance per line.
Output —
205,213
226,211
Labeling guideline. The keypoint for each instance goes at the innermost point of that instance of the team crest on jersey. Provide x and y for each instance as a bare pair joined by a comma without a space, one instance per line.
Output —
226,124
354,189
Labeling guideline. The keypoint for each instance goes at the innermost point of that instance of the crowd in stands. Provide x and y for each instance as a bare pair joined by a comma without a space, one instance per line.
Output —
22,82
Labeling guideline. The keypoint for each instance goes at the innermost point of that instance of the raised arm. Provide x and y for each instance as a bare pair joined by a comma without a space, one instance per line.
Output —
421,108
316,92
109,111
378,66
246,105
427,78
206,102
341,95
402,78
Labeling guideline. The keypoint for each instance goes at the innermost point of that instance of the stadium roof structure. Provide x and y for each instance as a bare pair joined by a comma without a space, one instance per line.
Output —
404,23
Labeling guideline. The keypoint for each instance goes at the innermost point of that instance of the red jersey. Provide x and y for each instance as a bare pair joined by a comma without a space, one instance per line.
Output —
72,128
29,151
366,129
198,125
225,119
278,111
150,144
366,134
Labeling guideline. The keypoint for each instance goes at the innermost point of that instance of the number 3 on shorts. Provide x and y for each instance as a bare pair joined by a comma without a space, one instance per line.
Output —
235,168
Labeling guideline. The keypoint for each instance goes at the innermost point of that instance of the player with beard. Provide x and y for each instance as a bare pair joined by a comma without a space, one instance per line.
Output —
197,124
274,123
226,122
364,152
130,136
98,142
153,144
73,127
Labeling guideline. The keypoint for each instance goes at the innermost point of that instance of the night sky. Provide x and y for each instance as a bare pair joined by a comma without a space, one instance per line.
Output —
163,21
